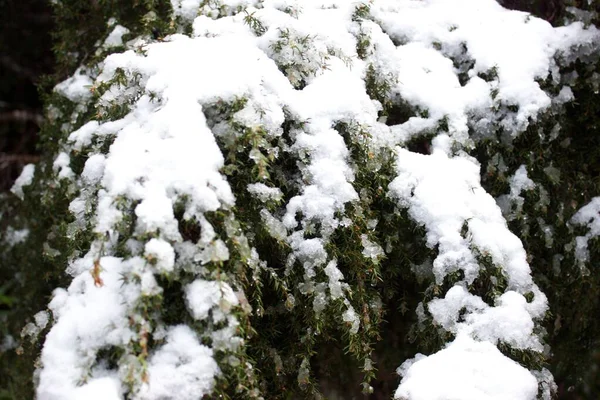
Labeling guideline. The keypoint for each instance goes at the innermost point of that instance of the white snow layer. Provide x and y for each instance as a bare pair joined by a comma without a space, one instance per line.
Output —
164,154
182,368
466,369
115,38
517,46
23,180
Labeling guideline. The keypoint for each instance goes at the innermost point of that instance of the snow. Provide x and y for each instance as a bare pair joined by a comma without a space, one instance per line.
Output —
520,181
93,170
512,203
14,236
465,370
523,49
305,68
23,180
507,322
371,250
335,276
76,88
115,38
161,254
33,329
264,192
274,226
187,9
202,296
349,316
443,193
62,166
101,388
588,216
87,318
182,365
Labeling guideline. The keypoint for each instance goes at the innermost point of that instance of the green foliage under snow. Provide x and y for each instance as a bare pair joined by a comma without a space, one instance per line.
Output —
287,199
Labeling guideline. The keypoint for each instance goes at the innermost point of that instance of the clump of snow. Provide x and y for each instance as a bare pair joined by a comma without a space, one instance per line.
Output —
187,9
475,30
350,317
100,388
335,276
371,250
564,96
62,166
507,322
512,204
465,370
202,296
8,343
87,318
520,181
160,254
310,252
264,192
274,226
93,170
443,193
182,366
23,180
588,216
14,236
115,38
76,88
33,329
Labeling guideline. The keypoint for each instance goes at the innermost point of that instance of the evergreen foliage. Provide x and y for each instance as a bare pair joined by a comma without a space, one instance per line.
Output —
287,249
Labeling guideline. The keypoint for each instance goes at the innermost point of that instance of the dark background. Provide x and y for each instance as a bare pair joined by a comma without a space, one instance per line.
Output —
25,58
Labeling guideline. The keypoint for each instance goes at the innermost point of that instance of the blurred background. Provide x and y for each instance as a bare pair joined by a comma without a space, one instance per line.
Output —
25,58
